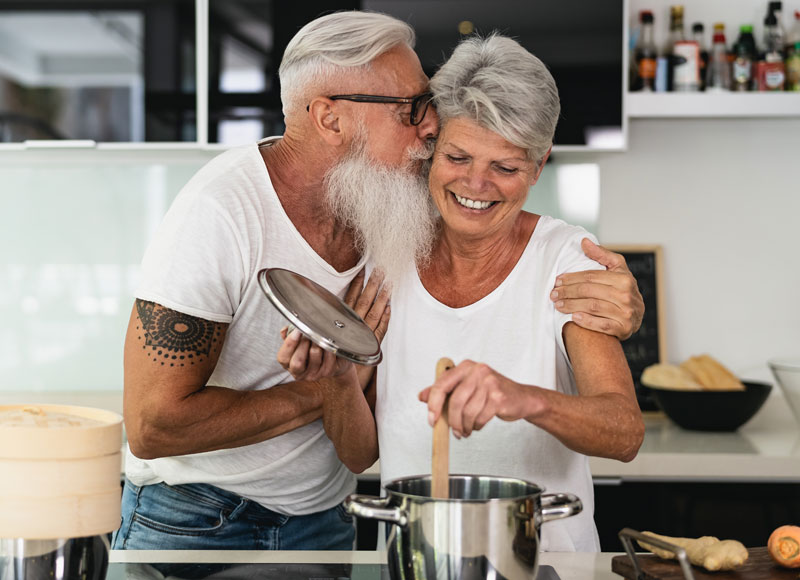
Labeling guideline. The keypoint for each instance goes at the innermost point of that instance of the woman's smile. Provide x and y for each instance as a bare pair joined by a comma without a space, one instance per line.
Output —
473,203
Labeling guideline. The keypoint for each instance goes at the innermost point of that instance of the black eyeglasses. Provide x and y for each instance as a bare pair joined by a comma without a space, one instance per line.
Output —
419,104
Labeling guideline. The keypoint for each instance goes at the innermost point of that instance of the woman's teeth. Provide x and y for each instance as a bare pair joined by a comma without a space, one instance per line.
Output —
472,203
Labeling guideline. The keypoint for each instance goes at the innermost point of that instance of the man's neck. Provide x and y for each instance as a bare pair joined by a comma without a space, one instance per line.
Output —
298,178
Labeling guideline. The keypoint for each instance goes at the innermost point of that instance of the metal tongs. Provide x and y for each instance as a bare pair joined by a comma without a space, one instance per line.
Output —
626,535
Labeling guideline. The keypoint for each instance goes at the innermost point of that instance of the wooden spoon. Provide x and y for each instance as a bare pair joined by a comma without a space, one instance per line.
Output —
440,470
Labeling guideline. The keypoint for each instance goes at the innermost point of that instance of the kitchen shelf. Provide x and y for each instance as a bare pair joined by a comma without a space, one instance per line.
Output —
675,105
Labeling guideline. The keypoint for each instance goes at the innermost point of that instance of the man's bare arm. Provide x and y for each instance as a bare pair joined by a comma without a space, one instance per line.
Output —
170,409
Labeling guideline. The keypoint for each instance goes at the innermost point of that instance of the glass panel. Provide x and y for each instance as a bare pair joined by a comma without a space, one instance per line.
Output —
242,72
568,191
87,70
73,234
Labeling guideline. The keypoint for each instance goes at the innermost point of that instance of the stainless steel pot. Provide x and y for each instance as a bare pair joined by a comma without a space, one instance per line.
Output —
488,528
66,559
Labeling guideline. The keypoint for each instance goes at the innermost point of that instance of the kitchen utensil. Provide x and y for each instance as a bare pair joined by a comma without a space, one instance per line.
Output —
59,490
321,316
488,528
759,566
440,468
711,410
787,374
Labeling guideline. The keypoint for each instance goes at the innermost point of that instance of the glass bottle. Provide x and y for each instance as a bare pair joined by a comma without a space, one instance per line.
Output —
745,55
676,35
793,68
778,33
645,55
719,74
698,34
792,62
770,73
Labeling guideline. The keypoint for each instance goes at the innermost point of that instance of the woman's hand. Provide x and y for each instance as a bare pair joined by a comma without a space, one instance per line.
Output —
307,361
477,393
606,301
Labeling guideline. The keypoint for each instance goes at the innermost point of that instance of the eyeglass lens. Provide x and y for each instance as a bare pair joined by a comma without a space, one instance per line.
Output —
419,106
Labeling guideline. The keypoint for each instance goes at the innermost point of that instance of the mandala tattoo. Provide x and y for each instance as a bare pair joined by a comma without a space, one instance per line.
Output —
176,338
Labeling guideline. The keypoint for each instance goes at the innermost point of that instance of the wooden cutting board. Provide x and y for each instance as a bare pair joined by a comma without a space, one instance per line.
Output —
759,566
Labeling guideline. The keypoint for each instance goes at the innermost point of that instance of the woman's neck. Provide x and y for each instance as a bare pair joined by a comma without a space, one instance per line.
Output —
462,269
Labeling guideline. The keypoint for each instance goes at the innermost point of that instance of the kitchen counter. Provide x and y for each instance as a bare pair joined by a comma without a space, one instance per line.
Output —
366,564
765,449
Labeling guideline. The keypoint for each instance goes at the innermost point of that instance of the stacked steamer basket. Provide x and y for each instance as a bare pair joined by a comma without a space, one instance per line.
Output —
59,490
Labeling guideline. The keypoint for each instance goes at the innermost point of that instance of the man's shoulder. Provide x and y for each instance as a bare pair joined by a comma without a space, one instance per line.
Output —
233,173
557,230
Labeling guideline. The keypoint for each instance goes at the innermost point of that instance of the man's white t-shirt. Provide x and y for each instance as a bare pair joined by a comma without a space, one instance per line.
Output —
515,330
224,226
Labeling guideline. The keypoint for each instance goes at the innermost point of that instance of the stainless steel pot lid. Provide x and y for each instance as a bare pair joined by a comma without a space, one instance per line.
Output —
321,316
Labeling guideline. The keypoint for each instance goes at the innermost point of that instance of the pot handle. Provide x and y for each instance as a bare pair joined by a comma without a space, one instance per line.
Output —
374,508
560,505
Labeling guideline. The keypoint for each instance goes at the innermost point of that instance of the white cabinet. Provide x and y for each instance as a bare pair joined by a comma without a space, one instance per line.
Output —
653,105
712,105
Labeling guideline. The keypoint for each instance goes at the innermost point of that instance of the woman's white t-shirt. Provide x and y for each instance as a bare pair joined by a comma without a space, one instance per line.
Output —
517,331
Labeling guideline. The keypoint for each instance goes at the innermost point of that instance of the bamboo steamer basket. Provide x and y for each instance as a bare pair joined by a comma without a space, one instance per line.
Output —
60,467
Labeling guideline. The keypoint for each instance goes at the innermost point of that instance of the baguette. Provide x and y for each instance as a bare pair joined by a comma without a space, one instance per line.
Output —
711,374
667,376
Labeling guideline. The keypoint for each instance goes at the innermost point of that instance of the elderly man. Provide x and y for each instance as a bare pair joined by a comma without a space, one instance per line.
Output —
226,451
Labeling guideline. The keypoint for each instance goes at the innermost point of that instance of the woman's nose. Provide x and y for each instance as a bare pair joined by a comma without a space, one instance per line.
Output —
476,178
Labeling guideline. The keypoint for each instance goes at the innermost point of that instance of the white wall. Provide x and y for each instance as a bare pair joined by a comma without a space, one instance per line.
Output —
723,199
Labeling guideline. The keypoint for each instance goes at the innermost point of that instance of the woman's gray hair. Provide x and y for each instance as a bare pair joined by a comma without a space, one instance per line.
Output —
333,45
497,83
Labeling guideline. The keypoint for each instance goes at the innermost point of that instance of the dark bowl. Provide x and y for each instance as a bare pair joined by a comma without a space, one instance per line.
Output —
711,410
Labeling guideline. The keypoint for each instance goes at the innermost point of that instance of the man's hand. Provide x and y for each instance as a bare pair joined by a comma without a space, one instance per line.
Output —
606,301
308,362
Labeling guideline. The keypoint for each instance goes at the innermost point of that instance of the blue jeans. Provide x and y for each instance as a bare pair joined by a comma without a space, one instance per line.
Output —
203,517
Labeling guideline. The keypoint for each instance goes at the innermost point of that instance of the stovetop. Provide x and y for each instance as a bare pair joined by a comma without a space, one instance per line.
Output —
120,571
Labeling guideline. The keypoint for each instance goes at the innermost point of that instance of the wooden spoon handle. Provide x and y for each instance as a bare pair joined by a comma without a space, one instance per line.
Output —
440,469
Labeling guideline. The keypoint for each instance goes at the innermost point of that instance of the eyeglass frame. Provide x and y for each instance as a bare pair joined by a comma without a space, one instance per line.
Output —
413,101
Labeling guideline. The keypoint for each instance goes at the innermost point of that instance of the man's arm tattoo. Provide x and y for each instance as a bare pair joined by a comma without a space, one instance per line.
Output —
176,339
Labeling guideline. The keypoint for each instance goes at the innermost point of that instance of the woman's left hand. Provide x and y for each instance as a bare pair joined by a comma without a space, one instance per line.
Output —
606,301
477,393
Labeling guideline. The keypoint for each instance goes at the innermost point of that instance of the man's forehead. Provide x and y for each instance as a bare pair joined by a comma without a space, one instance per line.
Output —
399,70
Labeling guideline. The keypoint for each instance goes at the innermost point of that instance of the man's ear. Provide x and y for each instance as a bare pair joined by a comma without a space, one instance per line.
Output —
326,121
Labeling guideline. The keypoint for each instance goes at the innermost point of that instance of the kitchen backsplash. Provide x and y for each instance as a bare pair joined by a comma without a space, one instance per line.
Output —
73,231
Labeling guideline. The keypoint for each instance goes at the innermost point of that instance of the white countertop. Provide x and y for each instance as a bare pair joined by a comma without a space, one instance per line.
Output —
568,565
766,448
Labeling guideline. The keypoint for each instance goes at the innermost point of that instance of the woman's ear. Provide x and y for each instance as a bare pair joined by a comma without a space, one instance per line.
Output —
325,120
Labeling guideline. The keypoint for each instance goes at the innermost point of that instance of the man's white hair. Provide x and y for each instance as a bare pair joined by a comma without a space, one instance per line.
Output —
334,45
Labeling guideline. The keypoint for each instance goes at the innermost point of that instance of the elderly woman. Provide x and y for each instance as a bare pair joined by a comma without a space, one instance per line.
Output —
560,392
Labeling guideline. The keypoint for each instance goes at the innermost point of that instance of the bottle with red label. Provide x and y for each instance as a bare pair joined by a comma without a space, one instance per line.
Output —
770,71
645,55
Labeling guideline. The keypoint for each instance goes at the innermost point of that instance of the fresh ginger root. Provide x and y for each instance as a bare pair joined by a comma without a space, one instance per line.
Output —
709,552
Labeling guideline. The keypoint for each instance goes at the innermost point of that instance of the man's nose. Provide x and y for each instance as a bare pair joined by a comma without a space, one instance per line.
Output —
429,127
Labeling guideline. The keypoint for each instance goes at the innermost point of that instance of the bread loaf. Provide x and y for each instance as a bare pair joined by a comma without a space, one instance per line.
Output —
712,374
697,373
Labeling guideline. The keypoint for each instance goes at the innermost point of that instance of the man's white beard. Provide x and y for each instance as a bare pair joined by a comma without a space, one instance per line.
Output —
389,209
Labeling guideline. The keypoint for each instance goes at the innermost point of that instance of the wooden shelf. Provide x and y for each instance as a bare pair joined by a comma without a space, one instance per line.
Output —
666,105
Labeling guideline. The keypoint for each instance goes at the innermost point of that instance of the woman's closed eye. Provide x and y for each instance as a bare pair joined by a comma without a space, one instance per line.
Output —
506,170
